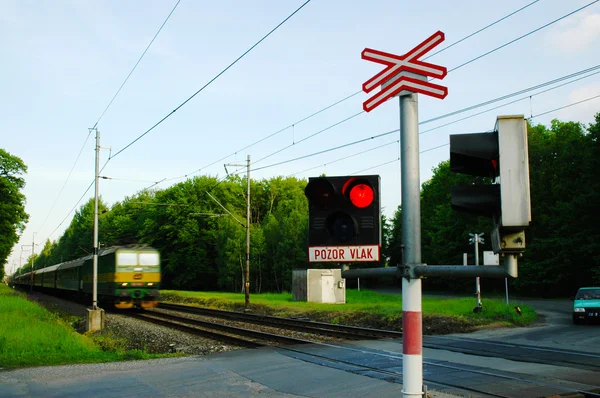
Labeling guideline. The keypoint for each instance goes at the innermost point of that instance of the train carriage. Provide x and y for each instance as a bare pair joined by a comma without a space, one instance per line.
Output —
128,276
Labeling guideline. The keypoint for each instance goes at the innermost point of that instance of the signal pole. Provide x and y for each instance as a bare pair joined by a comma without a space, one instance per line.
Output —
95,319
247,289
247,271
95,254
476,239
412,318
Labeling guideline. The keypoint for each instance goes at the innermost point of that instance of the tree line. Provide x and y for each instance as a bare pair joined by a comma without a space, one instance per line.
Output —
204,248
12,204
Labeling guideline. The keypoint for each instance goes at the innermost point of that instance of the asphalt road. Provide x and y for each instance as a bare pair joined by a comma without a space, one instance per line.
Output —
554,328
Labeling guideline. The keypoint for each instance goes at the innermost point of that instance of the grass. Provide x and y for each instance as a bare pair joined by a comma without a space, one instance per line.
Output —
30,335
444,315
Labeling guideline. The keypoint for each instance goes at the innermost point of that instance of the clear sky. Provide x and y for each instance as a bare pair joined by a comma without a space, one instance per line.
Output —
62,62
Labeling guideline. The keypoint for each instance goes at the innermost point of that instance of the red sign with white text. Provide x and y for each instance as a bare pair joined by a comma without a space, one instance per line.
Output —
343,254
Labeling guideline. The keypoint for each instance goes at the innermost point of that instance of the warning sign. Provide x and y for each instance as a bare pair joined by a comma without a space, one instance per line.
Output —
343,254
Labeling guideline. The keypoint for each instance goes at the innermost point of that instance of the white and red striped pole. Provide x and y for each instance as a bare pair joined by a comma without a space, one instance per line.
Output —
412,326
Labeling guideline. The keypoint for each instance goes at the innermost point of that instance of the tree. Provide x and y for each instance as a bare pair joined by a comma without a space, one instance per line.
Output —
12,204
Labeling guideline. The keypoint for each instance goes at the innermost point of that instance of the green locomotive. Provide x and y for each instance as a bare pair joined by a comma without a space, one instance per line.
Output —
127,276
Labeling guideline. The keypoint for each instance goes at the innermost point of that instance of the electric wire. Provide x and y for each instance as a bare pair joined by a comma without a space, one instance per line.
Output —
511,102
340,101
450,114
523,36
448,144
345,157
185,102
136,64
209,82
269,136
567,106
482,29
453,69
76,204
65,183
541,85
102,115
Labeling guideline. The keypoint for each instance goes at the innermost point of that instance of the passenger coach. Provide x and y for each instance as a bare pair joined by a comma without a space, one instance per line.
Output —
127,277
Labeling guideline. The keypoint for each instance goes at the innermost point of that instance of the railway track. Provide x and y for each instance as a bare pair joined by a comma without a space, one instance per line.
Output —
448,376
224,333
387,365
321,328
515,352
452,377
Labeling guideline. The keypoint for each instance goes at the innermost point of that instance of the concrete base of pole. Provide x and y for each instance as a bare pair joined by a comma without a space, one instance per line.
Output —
95,320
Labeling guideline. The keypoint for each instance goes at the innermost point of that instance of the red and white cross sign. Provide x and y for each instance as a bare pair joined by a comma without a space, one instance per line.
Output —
395,74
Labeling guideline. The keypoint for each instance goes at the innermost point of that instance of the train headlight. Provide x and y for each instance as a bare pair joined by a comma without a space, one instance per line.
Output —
150,284
578,309
124,284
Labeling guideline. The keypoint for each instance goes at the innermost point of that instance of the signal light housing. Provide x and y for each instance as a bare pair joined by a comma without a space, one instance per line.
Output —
344,214
503,156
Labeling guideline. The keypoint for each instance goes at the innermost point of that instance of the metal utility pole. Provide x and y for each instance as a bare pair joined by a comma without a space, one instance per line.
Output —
476,239
247,273
95,254
247,290
412,324
32,256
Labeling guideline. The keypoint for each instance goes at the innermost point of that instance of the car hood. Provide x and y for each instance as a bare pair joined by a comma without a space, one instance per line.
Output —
586,303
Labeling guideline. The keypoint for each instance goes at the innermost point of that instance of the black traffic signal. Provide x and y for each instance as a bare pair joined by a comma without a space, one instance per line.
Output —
344,218
503,156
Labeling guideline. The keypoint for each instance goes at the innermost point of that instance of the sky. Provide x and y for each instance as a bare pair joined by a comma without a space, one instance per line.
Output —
63,61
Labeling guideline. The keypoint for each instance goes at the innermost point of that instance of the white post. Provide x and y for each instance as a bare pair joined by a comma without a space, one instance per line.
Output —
247,287
477,282
95,254
412,324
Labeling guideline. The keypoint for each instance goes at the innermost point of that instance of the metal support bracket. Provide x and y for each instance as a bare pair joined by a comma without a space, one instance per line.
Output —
407,271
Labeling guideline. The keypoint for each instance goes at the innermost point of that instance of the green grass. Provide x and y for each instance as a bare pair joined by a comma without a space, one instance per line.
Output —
30,335
376,309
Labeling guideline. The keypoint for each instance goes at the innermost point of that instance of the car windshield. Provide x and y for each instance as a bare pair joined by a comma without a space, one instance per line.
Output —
588,294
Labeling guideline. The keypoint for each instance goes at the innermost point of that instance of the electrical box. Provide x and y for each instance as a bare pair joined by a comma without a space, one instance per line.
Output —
319,286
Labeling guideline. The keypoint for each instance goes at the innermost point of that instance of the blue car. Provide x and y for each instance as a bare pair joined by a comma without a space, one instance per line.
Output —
586,306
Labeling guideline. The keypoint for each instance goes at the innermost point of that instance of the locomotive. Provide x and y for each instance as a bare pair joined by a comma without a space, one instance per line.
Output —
127,277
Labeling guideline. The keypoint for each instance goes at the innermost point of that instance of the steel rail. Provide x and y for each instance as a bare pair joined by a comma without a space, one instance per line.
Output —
264,336
322,328
199,332
448,365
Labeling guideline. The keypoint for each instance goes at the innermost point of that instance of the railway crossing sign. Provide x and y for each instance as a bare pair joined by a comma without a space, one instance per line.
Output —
404,72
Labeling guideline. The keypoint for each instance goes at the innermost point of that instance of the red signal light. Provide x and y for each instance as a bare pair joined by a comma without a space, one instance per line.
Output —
361,195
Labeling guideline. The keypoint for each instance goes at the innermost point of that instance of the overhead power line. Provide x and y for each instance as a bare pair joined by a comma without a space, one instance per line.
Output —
453,69
183,103
447,144
339,101
65,183
481,104
482,29
346,157
523,36
102,115
567,106
76,204
136,64
210,81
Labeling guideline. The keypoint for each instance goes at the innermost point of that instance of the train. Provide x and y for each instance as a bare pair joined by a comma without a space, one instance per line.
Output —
128,277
